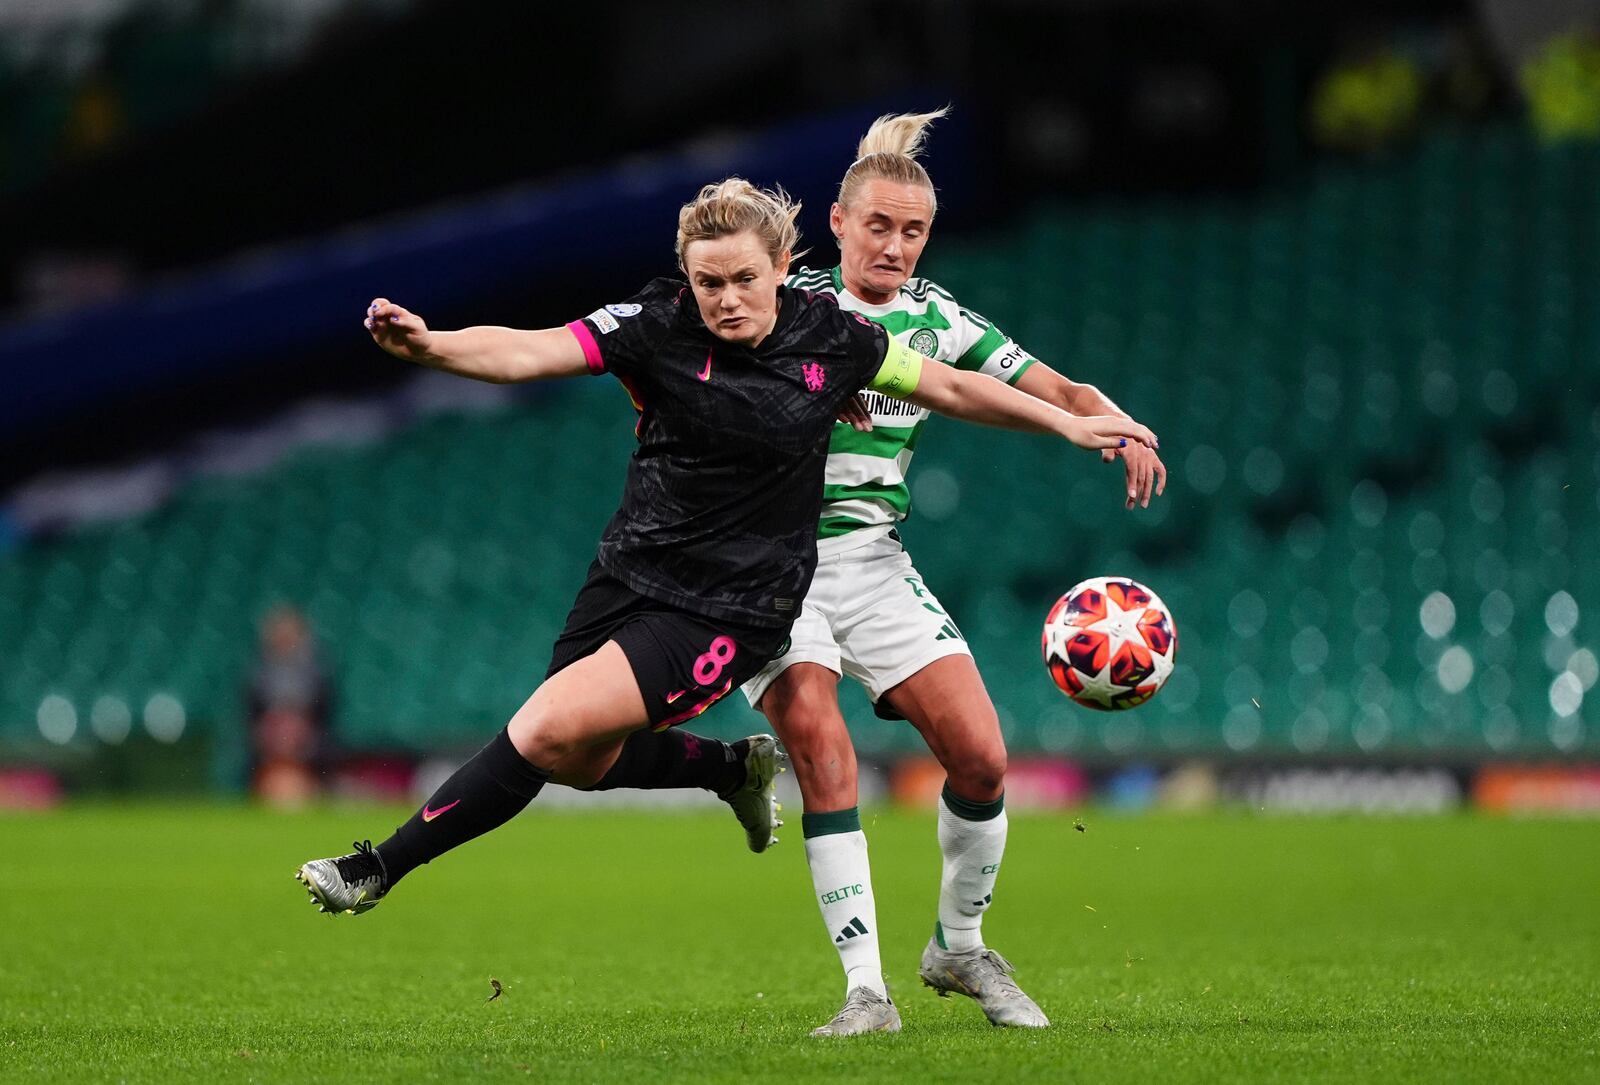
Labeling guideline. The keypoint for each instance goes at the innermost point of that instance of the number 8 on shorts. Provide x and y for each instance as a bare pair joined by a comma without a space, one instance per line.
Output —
708,666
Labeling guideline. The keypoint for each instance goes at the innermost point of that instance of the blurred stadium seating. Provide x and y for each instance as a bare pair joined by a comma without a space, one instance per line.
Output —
79,75
1385,473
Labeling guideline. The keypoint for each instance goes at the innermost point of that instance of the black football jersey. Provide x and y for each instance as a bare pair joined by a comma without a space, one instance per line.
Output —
719,513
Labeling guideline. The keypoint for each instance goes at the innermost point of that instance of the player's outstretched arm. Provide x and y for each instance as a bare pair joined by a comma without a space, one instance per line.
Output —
1146,474
486,353
977,398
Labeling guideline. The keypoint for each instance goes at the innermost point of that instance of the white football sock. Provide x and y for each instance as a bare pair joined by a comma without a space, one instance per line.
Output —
843,880
972,837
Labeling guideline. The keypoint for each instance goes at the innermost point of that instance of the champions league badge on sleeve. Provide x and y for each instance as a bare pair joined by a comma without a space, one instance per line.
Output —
606,319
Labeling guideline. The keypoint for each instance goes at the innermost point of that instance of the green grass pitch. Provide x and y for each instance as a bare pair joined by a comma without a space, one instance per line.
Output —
154,943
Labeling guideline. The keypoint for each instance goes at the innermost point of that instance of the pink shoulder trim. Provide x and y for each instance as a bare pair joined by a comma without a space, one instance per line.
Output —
591,349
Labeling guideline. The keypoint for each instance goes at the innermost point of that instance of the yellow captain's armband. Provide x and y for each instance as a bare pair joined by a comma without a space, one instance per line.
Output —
900,372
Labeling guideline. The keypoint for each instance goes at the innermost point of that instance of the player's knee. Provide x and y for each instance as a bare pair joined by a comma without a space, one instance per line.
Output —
822,756
541,736
826,774
978,774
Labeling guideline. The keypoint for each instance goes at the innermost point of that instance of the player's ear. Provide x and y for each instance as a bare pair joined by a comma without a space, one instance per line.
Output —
836,222
781,265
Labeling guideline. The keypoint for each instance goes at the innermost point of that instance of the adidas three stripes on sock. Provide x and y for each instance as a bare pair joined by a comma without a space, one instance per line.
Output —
836,850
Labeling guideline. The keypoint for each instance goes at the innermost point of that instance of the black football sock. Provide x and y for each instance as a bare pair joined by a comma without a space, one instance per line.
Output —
485,793
655,760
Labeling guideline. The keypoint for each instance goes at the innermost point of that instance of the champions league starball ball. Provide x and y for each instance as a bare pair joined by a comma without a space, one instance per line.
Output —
1109,643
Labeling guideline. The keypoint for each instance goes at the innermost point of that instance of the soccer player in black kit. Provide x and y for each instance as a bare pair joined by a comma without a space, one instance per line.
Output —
700,573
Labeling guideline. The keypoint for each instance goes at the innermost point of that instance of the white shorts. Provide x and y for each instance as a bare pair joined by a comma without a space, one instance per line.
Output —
867,615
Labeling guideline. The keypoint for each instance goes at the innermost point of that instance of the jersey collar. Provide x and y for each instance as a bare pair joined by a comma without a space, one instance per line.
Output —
859,306
788,309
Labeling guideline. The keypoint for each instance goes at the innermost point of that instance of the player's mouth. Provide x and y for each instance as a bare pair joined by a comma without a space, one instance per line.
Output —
892,269
730,322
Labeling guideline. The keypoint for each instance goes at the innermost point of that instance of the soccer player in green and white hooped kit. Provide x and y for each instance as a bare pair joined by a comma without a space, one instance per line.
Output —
870,616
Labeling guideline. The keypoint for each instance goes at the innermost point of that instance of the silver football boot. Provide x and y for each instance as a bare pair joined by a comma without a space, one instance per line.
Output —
350,884
864,1010
985,977
756,801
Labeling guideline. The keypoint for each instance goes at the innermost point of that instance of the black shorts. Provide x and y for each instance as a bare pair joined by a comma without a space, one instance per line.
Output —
684,662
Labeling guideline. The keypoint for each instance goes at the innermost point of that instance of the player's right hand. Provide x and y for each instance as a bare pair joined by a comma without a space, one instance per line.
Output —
854,413
398,331
1107,431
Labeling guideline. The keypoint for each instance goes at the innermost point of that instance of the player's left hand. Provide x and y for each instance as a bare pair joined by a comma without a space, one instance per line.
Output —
855,413
1145,473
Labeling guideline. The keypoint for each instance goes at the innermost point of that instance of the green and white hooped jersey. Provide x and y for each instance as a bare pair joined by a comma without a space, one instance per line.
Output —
865,493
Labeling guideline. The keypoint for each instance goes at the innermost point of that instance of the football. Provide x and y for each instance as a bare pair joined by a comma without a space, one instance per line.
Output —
1109,643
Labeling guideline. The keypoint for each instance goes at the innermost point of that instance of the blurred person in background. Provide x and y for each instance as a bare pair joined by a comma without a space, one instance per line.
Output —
289,699
1562,85
1369,100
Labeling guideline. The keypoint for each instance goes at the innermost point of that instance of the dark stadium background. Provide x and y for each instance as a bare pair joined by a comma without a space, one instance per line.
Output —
1341,256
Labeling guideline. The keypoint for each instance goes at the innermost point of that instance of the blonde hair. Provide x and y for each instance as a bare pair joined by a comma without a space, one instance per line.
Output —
734,206
889,151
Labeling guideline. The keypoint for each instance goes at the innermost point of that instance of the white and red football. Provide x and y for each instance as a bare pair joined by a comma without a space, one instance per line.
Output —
1109,643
